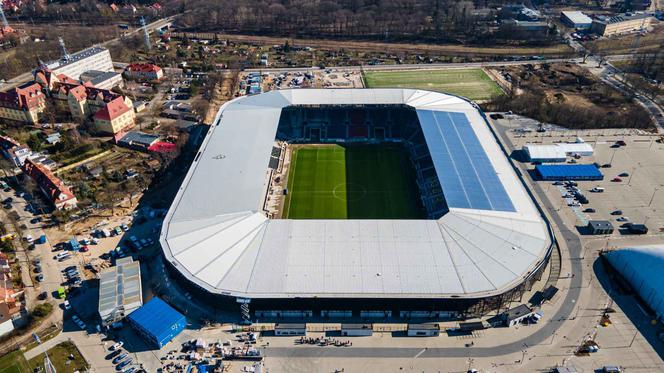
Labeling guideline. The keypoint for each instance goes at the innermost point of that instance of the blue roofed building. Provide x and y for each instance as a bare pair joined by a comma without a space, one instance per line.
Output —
157,322
568,172
641,268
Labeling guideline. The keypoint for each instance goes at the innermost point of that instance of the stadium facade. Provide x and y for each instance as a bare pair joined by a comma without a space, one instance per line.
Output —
482,246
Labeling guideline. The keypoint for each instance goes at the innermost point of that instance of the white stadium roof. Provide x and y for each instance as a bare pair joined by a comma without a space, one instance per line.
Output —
216,235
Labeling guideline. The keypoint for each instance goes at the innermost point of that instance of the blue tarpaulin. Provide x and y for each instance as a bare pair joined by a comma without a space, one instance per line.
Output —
157,322
568,172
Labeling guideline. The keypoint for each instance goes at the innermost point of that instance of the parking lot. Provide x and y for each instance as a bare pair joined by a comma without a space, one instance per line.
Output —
635,197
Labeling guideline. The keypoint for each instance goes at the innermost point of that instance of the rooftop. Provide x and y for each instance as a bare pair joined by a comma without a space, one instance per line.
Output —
75,57
490,239
623,18
577,17
120,288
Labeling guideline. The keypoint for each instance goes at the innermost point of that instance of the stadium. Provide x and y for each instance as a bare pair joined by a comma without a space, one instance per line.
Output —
355,202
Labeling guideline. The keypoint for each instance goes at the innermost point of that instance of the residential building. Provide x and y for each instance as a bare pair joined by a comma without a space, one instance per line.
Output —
622,24
95,58
9,311
119,291
23,104
13,151
116,117
576,19
143,72
55,190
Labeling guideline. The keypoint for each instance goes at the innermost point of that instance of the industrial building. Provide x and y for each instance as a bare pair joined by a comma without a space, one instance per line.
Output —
576,19
568,172
640,267
119,291
622,24
95,58
157,322
552,153
484,242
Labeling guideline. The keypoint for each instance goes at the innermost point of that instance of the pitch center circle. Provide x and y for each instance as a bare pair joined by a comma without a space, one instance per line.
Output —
349,192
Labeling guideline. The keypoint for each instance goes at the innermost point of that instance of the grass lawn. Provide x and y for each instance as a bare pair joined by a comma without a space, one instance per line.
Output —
351,182
14,362
474,84
59,356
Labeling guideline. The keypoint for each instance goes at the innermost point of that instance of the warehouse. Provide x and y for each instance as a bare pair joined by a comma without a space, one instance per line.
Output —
639,266
576,19
356,330
568,172
157,322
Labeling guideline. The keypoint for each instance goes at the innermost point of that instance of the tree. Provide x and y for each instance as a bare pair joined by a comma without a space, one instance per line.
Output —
34,142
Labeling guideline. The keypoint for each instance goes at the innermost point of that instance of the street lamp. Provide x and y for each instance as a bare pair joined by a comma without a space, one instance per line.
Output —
653,196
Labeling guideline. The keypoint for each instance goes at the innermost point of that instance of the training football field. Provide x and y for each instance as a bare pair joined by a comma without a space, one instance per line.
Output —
351,182
473,84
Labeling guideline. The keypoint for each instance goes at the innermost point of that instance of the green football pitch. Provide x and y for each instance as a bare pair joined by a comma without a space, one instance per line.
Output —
473,84
351,182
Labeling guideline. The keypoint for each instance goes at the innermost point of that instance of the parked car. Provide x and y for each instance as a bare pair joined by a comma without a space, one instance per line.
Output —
616,179
28,239
616,212
120,357
123,364
40,277
589,210
621,143
67,305
624,174
116,346
606,165
43,295
623,218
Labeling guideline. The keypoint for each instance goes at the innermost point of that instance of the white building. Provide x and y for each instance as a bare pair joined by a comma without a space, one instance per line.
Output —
423,330
95,58
552,153
576,19
488,241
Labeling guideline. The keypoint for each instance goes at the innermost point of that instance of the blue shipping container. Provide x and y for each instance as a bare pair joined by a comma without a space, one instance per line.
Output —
157,322
568,172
